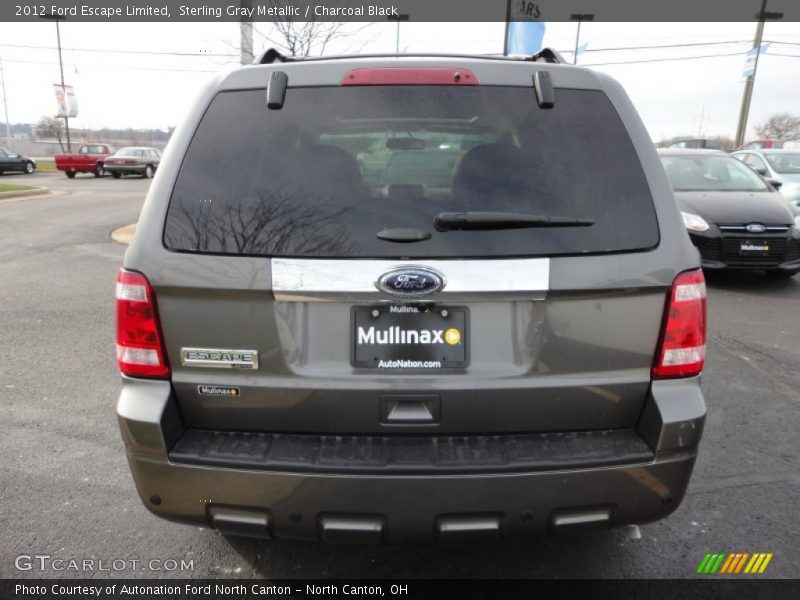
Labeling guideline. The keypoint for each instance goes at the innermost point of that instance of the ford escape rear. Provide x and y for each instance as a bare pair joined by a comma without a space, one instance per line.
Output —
417,298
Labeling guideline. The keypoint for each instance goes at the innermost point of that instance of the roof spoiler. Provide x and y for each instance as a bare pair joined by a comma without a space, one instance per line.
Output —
272,56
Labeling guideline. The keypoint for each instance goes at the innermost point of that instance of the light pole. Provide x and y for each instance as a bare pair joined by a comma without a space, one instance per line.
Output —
57,18
246,35
5,105
580,18
744,112
398,18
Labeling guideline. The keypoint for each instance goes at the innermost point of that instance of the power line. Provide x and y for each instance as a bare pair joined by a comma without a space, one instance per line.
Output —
660,46
631,62
112,67
146,52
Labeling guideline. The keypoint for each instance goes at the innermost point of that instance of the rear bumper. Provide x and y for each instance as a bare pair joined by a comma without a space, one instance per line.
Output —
125,169
347,506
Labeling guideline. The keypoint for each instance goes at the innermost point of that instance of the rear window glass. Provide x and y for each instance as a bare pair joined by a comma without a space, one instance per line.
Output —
337,165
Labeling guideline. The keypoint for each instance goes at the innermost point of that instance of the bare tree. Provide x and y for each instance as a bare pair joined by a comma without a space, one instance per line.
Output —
781,126
50,127
307,38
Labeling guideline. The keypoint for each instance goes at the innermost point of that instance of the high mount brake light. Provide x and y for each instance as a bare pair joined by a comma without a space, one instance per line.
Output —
682,350
140,352
410,76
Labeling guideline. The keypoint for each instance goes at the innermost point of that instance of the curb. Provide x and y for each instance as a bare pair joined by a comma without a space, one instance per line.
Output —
37,191
124,235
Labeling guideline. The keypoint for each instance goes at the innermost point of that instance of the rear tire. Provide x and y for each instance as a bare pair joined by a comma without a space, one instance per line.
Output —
99,171
70,174
148,172
116,175
29,168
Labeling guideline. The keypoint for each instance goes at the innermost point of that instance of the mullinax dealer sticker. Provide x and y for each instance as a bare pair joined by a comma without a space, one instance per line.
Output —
215,390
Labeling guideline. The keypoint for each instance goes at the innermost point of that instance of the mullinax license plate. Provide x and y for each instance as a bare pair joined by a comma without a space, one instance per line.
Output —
409,337
753,248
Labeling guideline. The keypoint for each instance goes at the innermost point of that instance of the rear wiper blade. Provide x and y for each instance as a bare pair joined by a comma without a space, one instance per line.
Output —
450,221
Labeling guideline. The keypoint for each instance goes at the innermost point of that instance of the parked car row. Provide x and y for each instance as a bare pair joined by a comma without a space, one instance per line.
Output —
714,144
735,215
100,159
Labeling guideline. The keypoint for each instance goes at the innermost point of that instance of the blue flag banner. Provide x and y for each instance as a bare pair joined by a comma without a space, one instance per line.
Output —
524,32
525,37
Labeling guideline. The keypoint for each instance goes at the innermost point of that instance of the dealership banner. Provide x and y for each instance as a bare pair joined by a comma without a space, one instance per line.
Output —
381,10
750,60
524,32
66,101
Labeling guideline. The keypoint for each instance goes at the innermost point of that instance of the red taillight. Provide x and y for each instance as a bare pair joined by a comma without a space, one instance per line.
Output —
683,341
140,352
413,76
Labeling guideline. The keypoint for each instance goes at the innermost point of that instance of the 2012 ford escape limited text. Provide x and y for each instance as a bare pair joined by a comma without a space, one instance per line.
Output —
417,298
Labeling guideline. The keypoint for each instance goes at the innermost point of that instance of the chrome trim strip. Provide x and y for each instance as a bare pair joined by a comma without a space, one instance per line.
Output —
768,228
295,279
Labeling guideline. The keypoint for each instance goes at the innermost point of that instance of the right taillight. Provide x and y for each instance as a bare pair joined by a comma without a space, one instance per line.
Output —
140,352
682,351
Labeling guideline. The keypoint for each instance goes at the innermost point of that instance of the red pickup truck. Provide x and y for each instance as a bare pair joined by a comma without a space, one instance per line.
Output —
89,158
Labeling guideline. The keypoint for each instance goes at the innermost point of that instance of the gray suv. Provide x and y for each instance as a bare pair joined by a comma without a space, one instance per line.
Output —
498,333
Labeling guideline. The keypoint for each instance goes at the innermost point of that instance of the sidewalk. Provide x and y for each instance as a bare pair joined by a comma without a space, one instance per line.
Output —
124,235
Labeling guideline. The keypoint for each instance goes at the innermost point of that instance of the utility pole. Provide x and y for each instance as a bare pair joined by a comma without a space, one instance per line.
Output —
579,18
57,18
398,18
246,34
5,106
63,86
744,112
702,117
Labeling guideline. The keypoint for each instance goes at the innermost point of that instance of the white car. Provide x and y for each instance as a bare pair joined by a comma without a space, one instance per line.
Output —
777,166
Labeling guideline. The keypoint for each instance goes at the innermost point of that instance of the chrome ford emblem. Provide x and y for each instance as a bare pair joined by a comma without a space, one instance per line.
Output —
411,281
756,228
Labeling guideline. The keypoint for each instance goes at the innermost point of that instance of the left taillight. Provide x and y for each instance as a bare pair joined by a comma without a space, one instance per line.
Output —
140,351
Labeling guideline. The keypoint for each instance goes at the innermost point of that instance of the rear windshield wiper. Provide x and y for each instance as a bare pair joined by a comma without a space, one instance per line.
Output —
450,221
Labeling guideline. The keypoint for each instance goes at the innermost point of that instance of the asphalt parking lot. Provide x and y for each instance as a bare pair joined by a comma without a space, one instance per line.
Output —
66,490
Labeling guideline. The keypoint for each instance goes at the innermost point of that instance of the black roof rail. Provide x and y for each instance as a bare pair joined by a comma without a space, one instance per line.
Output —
547,55
273,56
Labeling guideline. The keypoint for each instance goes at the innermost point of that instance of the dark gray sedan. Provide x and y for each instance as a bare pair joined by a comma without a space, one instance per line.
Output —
134,160
10,161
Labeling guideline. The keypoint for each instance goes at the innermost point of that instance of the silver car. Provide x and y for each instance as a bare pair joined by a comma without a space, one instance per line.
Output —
497,344
133,160
777,166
